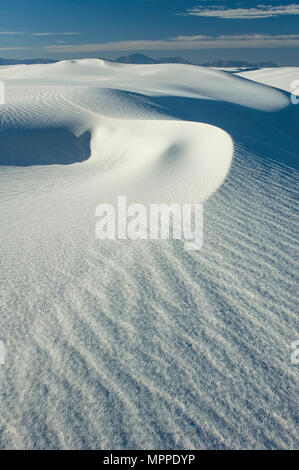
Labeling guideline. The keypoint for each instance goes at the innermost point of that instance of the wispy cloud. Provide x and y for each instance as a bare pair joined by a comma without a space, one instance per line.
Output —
186,42
261,11
17,48
67,33
11,32
64,33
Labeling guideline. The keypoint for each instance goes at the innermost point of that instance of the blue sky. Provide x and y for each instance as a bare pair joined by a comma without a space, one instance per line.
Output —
197,30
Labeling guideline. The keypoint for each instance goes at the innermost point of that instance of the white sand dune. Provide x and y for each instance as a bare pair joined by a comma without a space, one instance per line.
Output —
281,77
121,344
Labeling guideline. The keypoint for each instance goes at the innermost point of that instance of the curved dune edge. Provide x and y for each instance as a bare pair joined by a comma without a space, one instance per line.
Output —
162,160
146,152
153,159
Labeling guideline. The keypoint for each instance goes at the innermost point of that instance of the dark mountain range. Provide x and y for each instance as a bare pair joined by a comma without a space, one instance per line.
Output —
144,59
238,63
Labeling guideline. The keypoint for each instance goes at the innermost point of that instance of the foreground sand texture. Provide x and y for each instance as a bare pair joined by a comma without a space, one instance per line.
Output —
128,345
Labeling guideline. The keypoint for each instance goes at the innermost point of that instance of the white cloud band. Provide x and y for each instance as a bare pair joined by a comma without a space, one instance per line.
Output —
186,42
261,11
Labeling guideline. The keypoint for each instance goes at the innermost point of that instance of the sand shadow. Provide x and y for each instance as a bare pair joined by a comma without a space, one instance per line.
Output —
50,146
